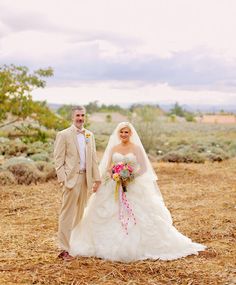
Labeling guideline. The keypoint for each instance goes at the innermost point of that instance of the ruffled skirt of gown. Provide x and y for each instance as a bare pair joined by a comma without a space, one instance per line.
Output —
100,233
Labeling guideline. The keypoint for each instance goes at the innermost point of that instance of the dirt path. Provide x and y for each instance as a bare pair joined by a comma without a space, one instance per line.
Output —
201,199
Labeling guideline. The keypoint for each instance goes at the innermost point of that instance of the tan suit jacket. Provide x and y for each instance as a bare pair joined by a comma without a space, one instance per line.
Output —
67,159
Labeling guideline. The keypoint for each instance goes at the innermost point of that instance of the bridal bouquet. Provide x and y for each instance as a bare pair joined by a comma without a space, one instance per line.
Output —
122,173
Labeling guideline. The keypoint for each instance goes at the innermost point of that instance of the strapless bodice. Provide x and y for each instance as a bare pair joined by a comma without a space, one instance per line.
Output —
129,157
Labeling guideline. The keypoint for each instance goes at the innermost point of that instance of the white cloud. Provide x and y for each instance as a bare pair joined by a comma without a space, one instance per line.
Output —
186,45
162,25
110,93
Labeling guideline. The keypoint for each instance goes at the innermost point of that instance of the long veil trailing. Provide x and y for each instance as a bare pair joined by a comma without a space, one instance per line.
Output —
114,140
137,225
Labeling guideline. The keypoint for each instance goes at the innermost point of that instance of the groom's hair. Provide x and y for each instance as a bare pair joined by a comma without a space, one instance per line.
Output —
78,108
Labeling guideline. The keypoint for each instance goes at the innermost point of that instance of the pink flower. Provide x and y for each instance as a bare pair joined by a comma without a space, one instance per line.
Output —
118,167
130,168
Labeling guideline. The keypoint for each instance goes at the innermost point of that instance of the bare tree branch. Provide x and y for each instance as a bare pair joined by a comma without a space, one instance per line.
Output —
9,123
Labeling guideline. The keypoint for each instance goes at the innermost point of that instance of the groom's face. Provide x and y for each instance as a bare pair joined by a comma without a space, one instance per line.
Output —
78,118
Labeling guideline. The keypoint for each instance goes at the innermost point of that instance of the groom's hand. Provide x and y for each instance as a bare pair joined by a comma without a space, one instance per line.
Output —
96,185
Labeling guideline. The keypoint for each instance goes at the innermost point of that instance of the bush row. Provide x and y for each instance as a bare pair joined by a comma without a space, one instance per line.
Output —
21,170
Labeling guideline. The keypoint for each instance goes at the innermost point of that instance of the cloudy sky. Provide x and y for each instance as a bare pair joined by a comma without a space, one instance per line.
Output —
124,51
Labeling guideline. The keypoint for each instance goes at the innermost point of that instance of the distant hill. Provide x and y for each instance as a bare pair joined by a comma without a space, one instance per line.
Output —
167,107
54,106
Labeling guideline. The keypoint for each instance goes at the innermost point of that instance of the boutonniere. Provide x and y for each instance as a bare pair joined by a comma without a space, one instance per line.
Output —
87,137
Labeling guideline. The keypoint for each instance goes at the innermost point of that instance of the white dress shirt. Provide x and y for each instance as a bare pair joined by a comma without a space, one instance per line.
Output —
82,151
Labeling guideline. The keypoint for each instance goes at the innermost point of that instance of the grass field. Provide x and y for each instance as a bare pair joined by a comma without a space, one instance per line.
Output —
201,198
164,141
180,141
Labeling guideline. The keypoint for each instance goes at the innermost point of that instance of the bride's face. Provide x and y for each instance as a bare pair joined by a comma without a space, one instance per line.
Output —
125,134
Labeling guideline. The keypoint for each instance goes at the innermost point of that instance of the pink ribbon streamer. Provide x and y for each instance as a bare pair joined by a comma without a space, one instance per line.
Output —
125,211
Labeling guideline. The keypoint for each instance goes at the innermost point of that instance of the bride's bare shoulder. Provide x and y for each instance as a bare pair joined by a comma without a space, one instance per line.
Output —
136,147
115,148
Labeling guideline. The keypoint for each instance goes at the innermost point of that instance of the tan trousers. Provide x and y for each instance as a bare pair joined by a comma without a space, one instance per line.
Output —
73,204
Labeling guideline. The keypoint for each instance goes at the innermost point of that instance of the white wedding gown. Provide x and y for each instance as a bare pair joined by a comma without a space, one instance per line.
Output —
153,236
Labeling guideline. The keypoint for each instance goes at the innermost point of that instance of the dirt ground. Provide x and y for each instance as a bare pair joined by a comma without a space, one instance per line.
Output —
200,197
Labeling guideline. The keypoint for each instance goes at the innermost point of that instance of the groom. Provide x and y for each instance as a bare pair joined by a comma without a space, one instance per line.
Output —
77,171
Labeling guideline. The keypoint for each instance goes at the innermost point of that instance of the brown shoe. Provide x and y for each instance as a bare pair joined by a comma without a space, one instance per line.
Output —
62,254
68,257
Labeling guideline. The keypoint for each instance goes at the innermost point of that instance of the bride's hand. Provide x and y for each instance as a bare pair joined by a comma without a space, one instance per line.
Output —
96,185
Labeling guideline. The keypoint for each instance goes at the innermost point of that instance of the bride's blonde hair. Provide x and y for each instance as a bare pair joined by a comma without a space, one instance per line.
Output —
123,125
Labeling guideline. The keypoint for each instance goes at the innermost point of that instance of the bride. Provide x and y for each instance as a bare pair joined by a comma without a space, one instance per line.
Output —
128,221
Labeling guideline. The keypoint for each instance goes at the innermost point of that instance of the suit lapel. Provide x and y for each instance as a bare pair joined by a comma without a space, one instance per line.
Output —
74,135
87,146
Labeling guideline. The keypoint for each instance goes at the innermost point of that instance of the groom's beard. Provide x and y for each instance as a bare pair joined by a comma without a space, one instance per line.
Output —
80,122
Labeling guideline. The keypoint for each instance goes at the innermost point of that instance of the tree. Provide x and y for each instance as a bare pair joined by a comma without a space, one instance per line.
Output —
147,112
177,110
92,107
189,117
136,106
47,118
147,124
16,86
65,111
108,118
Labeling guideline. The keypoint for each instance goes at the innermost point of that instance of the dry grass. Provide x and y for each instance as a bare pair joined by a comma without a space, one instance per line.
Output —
202,202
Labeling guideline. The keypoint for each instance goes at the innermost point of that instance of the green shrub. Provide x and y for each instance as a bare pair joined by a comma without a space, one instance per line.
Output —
216,154
180,156
40,147
231,148
108,118
43,156
26,173
47,169
17,160
189,117
13,148
101,142
6,177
